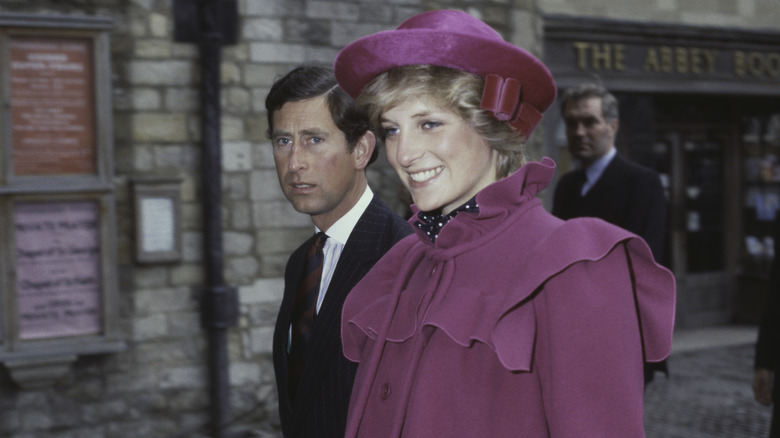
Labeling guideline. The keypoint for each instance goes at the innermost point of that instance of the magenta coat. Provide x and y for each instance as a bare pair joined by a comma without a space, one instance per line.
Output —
514,324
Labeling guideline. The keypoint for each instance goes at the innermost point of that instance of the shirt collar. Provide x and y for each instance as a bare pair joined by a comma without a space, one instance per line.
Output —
343,227
594,171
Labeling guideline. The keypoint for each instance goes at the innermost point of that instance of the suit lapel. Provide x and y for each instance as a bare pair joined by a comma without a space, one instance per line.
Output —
360,253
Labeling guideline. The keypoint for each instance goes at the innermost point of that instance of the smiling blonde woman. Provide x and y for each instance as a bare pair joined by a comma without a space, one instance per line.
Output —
496,319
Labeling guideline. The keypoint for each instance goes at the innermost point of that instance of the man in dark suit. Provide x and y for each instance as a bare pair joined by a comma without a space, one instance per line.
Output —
322,145
607,185
768,346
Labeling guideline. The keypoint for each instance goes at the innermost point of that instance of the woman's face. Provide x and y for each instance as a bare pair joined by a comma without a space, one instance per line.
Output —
438,156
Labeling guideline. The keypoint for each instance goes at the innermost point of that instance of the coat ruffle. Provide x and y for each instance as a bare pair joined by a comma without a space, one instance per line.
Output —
488,308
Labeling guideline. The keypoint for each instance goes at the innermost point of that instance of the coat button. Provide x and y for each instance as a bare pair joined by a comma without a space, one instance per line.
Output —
385,391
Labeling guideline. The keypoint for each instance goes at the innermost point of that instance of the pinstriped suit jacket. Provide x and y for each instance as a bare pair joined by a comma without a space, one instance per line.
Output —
320,408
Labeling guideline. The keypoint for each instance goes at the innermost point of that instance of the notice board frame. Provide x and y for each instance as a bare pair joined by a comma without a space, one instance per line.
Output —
45,360
57,28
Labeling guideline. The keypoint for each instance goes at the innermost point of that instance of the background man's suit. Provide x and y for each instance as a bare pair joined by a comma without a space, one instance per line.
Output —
326,382
627,195
768,344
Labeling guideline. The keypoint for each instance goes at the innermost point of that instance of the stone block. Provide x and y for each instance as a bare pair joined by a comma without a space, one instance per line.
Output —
278,53
244,373
153,276
241,269
275,213
160,300
262,29
267,8
148,127
238,243
182,377
146,99
240,215
261,340
230,73
236,156
153,48
235,187
264,186
232,128
262,291
186,275
184,324
340,11
160,72
150,327
158,25
180,99
143,159
237,100
192,247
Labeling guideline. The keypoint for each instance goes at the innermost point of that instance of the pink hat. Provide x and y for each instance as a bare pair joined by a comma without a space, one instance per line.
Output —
518,87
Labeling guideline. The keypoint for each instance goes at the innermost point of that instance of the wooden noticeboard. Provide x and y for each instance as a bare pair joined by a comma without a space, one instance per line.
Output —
52,106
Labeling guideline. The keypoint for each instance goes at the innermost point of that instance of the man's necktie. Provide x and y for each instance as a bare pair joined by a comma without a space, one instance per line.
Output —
304,309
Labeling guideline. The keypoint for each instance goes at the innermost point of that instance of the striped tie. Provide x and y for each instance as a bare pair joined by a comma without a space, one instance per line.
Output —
304,309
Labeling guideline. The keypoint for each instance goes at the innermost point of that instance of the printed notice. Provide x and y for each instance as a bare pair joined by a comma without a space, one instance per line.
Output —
158,227
52,106
58,268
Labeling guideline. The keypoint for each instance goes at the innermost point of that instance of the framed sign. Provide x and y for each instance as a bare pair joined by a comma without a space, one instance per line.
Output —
157,218
58,279
58,262
52,105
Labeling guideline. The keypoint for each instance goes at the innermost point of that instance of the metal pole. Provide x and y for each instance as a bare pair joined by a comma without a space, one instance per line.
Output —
219,301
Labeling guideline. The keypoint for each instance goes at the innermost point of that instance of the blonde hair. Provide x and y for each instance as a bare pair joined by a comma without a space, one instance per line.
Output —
448,88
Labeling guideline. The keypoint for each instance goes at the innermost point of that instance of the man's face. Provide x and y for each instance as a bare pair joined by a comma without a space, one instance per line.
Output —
590,136
317,173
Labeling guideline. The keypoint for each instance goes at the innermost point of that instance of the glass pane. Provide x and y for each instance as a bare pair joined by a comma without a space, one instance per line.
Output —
58,278
704,204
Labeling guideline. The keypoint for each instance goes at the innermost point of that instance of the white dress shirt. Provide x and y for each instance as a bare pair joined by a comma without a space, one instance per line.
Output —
338,234
594,171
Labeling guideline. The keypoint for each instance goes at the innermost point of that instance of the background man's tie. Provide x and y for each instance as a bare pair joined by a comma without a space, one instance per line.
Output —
304,309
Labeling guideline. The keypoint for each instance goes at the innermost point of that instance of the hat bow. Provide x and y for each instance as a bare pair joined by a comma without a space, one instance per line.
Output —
503,98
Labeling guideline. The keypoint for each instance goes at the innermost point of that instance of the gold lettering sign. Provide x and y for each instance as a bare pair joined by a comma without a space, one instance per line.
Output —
52,106
756,64
600,56
676,60
681,60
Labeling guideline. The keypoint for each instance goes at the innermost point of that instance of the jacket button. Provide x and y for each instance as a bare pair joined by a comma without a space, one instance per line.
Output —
385,391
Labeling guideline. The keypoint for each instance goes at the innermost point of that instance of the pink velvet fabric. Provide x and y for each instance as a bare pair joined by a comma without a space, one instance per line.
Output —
514,323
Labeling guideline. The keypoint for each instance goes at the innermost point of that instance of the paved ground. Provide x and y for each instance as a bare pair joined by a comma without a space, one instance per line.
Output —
708,393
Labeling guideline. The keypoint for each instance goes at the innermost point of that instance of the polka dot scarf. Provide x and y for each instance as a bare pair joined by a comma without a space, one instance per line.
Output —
431,223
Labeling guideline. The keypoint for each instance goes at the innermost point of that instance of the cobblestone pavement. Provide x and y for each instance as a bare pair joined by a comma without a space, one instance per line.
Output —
707,395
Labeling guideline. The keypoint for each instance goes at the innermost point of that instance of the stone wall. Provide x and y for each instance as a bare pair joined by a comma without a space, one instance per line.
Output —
158,386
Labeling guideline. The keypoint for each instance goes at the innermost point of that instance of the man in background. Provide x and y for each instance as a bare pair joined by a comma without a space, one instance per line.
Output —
766,388
322,145
607,185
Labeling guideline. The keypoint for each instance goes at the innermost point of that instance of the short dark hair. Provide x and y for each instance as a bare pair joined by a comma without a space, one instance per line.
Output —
310,81
609,104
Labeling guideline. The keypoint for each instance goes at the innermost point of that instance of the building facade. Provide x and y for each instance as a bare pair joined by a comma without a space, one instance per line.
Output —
116,285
